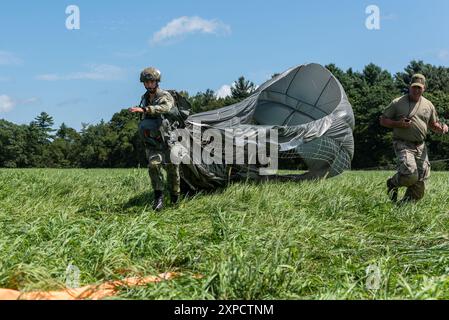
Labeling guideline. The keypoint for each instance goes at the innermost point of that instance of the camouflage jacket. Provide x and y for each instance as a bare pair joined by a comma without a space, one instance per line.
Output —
160,104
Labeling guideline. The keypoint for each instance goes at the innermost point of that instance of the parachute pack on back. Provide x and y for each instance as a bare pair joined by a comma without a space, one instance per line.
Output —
175,118
180,112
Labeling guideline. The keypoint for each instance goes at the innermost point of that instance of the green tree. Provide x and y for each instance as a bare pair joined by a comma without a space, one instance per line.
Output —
242,88
369,93
437,77
202,101
95,145
63,151
44,123
127,149
13,152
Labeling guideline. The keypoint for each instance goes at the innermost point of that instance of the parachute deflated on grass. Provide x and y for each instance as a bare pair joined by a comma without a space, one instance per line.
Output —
302,115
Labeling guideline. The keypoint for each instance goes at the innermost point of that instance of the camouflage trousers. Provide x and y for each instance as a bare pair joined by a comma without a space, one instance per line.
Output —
413,168
158,159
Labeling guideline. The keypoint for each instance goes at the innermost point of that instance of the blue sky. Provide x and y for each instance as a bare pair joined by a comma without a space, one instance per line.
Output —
89,74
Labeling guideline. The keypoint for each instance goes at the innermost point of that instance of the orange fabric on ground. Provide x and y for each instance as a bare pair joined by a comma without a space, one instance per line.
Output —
93,292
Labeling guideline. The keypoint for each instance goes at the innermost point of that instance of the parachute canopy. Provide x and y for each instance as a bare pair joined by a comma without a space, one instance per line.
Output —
307,107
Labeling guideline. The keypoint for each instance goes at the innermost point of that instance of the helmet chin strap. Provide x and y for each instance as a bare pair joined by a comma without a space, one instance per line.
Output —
153,91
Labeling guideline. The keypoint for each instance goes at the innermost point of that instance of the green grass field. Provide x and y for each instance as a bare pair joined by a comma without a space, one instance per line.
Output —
312,240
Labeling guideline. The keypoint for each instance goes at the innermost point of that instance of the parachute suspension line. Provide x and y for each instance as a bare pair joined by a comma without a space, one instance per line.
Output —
322,149
437,161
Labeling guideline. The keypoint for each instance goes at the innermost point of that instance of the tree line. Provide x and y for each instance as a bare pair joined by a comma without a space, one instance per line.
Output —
117,144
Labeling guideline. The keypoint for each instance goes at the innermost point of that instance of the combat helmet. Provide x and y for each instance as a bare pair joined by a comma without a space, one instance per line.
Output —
149,74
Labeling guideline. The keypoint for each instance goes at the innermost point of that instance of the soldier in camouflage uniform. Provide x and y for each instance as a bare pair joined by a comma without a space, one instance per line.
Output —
154,104
410,116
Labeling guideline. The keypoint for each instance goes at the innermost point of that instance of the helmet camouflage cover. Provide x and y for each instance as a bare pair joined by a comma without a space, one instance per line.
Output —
149,74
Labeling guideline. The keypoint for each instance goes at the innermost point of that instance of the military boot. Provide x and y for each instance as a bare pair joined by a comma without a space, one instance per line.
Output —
392,191
158,203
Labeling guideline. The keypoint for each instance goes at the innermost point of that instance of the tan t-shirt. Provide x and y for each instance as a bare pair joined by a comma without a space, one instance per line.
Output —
402,108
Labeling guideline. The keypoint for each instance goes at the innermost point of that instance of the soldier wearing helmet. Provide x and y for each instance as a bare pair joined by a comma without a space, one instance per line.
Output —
154,104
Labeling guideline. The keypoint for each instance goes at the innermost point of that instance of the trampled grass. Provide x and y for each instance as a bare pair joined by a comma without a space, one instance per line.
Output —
313,240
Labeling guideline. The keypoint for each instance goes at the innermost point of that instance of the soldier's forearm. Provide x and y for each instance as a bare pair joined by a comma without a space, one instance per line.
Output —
389,123
159,109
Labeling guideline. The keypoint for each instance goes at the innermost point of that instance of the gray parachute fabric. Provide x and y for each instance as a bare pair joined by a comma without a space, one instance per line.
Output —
306,106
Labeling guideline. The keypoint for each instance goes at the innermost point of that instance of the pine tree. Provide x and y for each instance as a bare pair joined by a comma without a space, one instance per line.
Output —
242,89
43,123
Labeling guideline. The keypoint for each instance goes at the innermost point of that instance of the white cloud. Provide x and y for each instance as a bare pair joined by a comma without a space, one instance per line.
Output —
443,54
8,59
99,72
30,100
224,91
96,72
190,25
6,103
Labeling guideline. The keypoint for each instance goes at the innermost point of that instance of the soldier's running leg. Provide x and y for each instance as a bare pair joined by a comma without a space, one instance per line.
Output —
407,174
416,191
156,177
173,181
